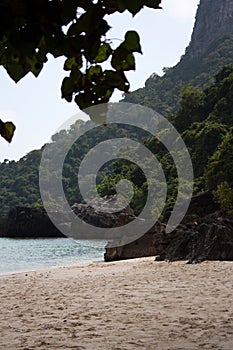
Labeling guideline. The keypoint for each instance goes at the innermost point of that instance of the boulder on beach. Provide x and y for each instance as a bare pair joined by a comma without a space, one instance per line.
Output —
204,234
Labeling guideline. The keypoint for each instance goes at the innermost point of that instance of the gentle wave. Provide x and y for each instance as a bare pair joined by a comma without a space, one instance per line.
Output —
29,254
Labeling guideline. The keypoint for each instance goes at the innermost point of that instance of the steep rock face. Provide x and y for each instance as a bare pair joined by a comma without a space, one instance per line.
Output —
214,20
210,48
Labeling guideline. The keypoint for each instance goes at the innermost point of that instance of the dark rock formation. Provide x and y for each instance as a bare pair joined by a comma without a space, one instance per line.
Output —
100,214
3,223
202,235
29,222
207,238
96,216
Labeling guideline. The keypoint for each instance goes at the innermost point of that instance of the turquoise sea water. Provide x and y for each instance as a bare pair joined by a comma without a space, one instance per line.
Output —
31,254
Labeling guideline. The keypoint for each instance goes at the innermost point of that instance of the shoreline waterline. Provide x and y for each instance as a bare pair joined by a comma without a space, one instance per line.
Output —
23,255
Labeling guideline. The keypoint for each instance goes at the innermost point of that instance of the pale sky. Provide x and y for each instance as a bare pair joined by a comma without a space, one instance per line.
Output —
35,104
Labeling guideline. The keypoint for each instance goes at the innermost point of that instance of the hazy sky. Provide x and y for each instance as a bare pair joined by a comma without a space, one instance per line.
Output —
35,105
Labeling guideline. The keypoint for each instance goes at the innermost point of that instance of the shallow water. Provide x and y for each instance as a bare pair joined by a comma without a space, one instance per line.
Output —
30,254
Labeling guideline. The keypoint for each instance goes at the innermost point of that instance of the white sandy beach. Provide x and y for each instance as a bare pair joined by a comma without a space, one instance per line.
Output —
125,305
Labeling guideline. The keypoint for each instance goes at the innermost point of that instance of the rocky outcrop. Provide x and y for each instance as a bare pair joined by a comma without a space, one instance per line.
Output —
202,235
214,20
99,214
206,238
29,222
142,247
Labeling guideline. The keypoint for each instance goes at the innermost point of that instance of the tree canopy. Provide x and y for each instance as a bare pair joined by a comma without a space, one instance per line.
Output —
208,135
77,30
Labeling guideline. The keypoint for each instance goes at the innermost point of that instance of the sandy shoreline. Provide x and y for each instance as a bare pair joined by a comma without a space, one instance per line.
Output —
134,304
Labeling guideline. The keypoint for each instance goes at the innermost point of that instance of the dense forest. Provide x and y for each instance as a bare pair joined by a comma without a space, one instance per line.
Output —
162,93
196,96
204,119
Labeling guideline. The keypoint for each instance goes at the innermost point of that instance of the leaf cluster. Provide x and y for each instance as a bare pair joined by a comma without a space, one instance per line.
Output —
7,130
76,30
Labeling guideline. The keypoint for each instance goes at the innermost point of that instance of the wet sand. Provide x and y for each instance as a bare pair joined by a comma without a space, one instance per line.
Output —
125,305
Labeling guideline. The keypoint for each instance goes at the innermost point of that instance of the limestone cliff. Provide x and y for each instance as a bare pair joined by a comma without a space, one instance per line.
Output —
210,48
214,20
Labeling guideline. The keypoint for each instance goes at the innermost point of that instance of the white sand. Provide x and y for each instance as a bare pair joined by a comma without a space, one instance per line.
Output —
134,304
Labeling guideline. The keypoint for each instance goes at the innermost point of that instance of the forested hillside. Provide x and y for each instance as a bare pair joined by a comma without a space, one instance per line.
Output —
198,102
205,120
162,93
210,48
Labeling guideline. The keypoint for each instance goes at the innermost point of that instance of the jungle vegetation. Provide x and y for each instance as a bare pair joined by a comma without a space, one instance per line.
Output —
204,119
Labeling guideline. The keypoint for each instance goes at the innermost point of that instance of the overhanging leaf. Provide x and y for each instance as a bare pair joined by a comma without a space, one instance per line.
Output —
132,41
134,6
7,130
73,61
67,89
35,66
103,53
153,4
94,72
122,60
29,32
16,71
68,10
116,80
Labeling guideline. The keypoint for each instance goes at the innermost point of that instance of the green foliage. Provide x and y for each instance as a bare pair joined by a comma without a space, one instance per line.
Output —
220,165
202,140
19,181
7,130
192,101
162,93
224,196
205,126
208,136
76,30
